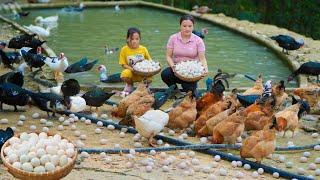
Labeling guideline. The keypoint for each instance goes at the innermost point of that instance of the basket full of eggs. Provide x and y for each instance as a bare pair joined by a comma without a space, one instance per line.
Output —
189,71
38,156
147,68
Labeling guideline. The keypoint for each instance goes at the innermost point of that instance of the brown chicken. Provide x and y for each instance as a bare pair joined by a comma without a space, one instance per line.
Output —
310,94
206,130
184,114
279,93
213,110
207,100
121,110
137,108
288,119
260,144
228,130
256,89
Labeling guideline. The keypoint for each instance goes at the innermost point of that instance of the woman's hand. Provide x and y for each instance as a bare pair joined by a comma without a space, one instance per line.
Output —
205,73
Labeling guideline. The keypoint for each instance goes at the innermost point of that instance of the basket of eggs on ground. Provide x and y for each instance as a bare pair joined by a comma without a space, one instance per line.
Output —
39,156
147,68
189,71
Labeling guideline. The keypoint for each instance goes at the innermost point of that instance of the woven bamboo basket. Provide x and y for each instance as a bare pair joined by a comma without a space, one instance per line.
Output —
186,79
52,175
147,74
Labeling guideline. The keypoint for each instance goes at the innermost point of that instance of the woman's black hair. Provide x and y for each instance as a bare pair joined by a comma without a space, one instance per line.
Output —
187,17
133,30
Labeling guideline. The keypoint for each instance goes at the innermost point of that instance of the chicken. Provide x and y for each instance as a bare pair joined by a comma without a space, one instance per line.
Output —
206,130
213,110
151,123
256,89
138,108
288,119
215,95
121,110
310,94
184,114
260,144
279,93
229,129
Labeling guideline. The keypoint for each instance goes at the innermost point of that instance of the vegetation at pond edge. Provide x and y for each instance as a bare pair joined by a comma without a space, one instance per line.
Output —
300,16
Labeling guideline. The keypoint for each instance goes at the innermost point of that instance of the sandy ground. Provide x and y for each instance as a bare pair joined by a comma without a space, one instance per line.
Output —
96,168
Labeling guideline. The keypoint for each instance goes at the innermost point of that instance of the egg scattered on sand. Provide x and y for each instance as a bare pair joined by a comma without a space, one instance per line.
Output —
4,121
97,131
35,115
22,117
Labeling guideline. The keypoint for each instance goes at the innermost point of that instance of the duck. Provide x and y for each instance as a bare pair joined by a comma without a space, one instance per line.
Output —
40,31
114,78
33,60
202,33
70,87
307,68
25,40
288,43
57,64
109,51
117,8
74,9
75,103
47,20
13,95
48,102
5,135
151,123
9,58
14,77
96,97
81,66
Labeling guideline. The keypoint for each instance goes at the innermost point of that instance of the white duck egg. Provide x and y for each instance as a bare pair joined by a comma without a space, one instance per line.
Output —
70,152
214,164
44,159
94,115
306,154
104,116
148,168
33,128
35,115
4,121
239,174
195,161
314,135
63,160
275,175
182,165
87,121
24,158
312,166
17,165
52,150
317,172
99,124
27,167
66,123
49,124
84,154
71,120
136,138
14,140
217,158
234,164
72,115
183,155
247,166
206,169
39,169
108,160
282,158
301,171
255,174
61,119
22,117
43,135
165,168
73,127
77,133
111,127
303,159
60,128
55,160
163,155
212,177
32,155
43,121
159,142
166,145
137,145
317,160
83,137
129,165
49,166
316,147
40,152
171,132
122,134
13,158
117,146
289,164
191,153
14,129
260,171
223,172
97,131
203,140
103,141
20,123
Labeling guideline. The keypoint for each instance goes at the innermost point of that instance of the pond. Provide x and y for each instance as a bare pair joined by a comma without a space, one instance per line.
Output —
85,34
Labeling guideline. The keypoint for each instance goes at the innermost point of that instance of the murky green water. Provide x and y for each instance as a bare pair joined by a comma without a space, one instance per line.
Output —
86,33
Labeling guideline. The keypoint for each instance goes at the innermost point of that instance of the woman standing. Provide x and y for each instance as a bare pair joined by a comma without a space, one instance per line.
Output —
183,46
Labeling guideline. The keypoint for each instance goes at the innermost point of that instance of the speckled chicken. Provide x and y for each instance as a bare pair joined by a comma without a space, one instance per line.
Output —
260,144
184,114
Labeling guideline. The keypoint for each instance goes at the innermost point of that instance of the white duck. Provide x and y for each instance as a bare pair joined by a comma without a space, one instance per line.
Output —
47,20
57,64
151,123
39,30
